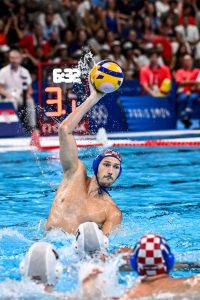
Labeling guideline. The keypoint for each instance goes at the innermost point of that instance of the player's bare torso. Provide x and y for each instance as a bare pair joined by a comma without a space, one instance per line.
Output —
75,203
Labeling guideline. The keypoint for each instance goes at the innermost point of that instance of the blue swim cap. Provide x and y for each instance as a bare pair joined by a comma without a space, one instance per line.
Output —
106,153
152,256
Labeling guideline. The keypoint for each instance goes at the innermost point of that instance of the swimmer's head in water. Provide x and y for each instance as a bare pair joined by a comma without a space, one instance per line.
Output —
152,256
90,239
107,167
41,264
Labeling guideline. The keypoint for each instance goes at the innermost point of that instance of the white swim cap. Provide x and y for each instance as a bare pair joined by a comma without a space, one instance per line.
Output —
41,264
90,238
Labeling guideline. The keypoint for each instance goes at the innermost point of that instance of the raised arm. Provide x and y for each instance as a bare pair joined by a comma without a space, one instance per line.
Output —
68,147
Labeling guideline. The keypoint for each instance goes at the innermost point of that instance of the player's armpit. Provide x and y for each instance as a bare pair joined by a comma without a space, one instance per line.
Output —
114,218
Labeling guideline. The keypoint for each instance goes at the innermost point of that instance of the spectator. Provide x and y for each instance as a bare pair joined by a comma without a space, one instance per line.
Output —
49,26
138,26
71,17
178,59
117,55
57,19
159,48
31,63
22,17
103,53
110,38
95,42
187,12
12,36
147,30
69,40
150,11
80,41
61,55
189,32
132,38
140,57
132,66
125,8
38,41
13,79
111,17
94,20
167,27
38,34
165,49
40,55
126,15
188,79
172,13
152,75
179,40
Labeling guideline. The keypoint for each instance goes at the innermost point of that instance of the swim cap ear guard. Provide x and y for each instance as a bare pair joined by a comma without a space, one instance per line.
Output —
167,255
22,268
168,258
133,258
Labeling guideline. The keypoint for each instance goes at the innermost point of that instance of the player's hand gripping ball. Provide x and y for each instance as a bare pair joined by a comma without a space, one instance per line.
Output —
106,76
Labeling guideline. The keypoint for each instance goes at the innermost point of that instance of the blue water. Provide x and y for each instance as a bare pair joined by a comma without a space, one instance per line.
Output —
157,192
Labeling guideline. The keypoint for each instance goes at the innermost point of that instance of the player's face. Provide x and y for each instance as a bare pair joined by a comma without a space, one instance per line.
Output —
15,58
108,171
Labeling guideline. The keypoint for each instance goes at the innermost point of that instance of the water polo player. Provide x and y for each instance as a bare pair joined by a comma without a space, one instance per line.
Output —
41,264
153,260
80,198
90,239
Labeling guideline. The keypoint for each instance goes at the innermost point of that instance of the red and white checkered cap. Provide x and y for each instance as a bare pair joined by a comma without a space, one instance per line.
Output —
150,260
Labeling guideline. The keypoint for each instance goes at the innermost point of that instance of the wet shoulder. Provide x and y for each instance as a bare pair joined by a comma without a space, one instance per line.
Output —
112,205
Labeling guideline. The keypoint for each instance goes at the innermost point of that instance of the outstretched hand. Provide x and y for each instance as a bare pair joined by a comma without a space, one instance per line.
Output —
93,91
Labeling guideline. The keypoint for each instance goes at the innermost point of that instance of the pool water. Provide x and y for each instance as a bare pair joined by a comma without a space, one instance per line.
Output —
157,192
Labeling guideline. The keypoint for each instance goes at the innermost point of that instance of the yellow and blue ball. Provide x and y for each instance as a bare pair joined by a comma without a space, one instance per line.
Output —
106,76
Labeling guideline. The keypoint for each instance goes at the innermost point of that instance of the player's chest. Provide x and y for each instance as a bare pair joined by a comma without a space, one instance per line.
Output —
95,208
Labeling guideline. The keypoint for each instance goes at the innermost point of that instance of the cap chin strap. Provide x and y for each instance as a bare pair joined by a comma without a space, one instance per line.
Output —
102,188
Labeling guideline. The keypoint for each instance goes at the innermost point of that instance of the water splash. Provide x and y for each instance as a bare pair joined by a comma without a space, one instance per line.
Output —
104,277
102,137
86,63
7,232
26,289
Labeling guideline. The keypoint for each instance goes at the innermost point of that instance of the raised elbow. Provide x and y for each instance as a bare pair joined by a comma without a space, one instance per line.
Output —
63,129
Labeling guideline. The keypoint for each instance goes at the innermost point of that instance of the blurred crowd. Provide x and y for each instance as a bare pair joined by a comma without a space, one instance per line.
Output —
123,30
